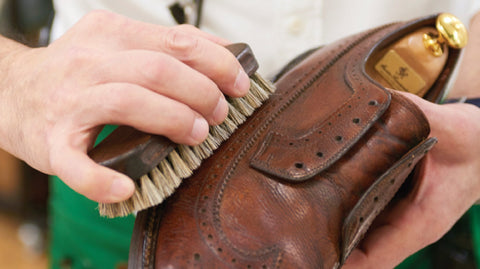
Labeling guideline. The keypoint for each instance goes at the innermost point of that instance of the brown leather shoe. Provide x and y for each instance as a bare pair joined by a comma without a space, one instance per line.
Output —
298,184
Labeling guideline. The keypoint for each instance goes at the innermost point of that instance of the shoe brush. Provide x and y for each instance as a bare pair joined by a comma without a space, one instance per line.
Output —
158,165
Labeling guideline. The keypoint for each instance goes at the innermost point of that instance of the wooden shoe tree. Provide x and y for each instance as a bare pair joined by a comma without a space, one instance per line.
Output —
414,62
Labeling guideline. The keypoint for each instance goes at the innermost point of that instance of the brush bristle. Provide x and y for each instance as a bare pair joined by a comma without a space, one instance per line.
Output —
162,181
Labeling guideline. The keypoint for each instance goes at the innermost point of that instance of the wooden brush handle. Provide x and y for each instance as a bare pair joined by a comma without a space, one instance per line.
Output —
135,153
131,152
245,56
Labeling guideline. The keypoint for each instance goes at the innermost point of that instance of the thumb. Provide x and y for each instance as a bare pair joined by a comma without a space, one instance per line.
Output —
427,107
94,181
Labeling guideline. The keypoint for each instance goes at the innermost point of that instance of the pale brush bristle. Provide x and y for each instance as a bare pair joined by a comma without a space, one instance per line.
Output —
162,181
235,115
180,168
218,131
187,154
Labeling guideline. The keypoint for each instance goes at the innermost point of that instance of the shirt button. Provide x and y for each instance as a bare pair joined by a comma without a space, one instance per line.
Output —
295,25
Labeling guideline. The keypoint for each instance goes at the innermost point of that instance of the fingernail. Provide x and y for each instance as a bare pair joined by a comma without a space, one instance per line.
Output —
242,83
199,130
121,189
221,110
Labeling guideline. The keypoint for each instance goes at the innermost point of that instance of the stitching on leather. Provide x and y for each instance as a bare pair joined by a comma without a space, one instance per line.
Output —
217,198
217,241
274,250
363,207
316,169
216,219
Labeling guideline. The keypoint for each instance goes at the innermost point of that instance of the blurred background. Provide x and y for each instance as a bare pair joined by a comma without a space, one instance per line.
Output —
23,190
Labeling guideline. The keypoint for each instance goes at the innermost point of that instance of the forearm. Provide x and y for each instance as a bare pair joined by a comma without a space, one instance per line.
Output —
9,117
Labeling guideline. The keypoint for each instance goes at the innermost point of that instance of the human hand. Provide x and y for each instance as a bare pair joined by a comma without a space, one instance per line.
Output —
108,69
467,82
447,185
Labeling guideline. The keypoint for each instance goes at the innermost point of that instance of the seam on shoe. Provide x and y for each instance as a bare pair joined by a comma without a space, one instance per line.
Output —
219,196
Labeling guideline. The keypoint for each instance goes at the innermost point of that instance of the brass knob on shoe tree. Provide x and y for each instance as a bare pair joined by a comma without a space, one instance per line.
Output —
450,31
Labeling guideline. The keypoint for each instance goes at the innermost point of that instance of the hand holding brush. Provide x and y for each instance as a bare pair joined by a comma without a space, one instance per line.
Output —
162,80
156,164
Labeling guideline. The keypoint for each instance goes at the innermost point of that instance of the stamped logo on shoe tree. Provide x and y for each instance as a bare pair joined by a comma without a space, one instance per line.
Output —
413,63
399,74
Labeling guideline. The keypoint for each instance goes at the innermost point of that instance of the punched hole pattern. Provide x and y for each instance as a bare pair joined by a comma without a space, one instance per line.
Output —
299,165
337,138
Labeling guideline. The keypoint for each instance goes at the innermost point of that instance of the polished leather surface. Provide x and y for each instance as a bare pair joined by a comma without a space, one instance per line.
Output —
299,183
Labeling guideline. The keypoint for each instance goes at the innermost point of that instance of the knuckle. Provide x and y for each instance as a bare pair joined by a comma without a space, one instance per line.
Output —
99,16
228,66
181,44
158,68
179,123
104,22
78,56
117,103
211,94
187,28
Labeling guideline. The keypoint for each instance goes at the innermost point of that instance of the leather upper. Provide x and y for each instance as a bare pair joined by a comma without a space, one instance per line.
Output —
299,183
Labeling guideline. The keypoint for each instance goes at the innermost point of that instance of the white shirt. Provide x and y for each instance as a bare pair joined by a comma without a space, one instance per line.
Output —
277,30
